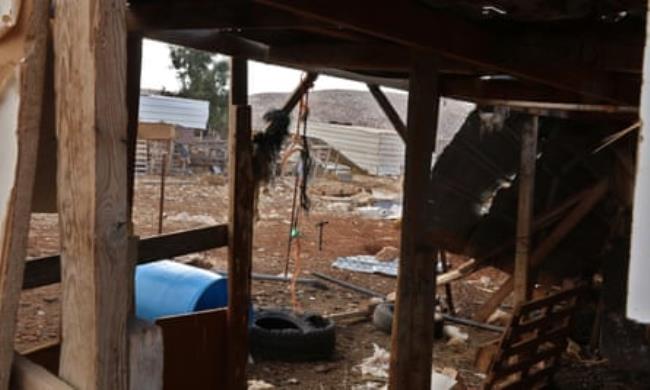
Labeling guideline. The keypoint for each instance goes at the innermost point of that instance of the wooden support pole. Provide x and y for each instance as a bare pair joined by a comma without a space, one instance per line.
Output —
23,41
389,110
558,234
133,75
240,227
412,338
90,79
526,200
296,95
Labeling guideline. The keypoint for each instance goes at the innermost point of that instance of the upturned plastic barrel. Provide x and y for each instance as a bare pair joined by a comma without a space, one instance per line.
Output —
166,288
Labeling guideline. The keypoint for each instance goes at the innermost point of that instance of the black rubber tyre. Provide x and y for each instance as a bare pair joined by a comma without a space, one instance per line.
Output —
382,317
285,336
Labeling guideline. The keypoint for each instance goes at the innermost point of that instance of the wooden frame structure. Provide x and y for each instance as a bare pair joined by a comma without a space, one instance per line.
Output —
430,47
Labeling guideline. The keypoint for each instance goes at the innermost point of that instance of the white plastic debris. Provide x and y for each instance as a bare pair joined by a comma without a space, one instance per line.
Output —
377,365
255,384
441,381
367,264
455,335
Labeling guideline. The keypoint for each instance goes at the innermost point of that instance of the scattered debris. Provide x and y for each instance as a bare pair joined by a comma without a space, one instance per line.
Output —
441,381
367,264
387,253
455,335
255,384
377,365
349,285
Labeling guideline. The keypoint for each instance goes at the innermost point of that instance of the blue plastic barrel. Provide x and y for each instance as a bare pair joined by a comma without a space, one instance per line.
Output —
165,288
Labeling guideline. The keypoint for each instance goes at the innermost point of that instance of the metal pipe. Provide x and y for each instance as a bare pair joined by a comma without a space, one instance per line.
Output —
348,285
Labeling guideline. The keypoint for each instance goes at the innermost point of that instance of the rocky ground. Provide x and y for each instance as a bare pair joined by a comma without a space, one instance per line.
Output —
198,201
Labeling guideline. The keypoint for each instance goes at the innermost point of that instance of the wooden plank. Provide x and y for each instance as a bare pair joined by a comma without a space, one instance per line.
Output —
240,226
195,350
558,234
27,375
146,356
526,201
47,270
90,79
412,338
389,110
23,38
133,75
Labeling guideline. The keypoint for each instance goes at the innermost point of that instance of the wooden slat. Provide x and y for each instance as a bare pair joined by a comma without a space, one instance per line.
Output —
23,39
526,200
195,350
146,356
133,75
27,375
47,270
240,226
90,79
389,110
412,338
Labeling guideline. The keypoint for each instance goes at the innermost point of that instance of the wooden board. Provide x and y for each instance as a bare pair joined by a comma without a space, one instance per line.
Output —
27,375
90,80
412,338
23,37
156,131
530,349
195,350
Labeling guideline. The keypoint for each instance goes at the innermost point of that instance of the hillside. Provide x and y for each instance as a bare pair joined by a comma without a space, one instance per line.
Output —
358,108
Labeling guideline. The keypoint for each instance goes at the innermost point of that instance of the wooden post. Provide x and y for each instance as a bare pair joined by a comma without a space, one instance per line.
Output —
161,205
90,79
412,339
240,227
522,286
133,75
23,36
389,110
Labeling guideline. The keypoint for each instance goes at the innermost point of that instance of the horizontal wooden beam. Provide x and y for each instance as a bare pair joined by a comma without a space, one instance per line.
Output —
209,14
455,38
27,375
47,270
477,89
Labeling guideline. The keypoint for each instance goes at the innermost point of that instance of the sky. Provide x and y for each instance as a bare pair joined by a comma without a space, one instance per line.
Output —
157,72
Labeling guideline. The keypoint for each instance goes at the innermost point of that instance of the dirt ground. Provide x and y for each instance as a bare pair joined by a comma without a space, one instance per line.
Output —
198,201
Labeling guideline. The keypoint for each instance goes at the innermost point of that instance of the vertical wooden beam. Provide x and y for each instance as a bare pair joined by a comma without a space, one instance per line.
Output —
412,338
240,227
638,304
90,78
23,37
526,200
389,110
133,75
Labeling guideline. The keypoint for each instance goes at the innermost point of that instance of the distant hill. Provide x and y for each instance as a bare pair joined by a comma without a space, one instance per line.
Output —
357,108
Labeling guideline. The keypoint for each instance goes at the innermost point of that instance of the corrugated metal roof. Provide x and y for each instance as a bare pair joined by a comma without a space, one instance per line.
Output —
377,151
185,112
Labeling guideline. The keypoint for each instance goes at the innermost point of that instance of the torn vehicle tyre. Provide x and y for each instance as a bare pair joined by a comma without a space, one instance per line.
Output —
382,319
287,336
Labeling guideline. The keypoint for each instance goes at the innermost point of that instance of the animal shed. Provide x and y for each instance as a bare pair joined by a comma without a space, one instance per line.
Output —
581,60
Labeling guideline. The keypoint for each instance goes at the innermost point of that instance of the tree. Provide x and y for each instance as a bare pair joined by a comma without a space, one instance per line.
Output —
204,77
